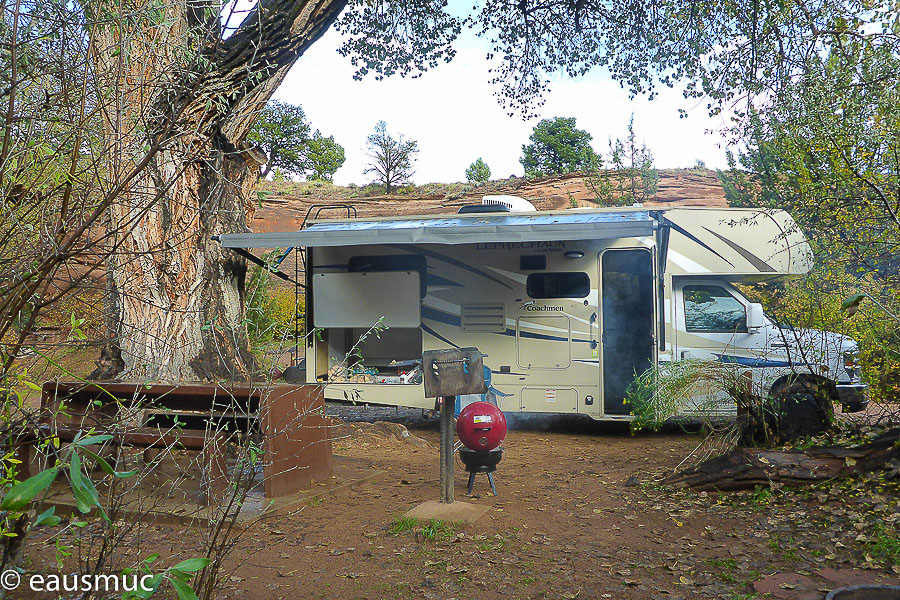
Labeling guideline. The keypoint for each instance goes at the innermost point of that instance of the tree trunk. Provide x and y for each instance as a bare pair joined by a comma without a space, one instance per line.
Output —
175,296
746,468
181,306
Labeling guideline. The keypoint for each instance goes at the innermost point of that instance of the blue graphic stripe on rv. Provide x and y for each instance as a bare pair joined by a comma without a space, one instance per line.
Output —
753,363
433,314
452,261
435,280
434,333
440,316
694,238
753,259
536,336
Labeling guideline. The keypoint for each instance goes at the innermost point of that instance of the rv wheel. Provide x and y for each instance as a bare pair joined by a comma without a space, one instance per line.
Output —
801,409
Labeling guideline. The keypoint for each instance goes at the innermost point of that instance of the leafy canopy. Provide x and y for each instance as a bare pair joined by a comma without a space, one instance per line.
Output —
324,156
721,51
827,149
478,172
282,132
557,147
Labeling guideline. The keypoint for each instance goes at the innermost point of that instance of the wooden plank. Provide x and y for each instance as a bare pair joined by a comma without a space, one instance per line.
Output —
187,396
192,439
297,444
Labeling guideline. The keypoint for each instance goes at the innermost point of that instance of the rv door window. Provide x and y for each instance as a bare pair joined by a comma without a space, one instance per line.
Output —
558,285
711,309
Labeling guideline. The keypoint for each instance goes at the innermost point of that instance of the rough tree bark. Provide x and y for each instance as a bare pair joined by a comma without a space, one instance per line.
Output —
175,300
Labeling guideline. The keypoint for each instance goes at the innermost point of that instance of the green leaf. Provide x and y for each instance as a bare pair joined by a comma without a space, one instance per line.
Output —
153,584
83,497
852,303
184,591
151,559
106,467
94,496
192,564
75,474
47,518
92,439
24,492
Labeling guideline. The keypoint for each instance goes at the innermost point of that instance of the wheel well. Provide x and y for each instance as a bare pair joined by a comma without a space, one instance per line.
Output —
815,382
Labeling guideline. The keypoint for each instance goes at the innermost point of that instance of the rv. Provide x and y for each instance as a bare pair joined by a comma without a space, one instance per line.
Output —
568,306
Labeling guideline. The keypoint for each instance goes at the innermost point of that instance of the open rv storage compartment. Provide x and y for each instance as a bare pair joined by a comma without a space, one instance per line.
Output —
370,322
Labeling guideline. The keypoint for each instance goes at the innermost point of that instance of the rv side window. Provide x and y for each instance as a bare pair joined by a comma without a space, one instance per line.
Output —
712,309
558,285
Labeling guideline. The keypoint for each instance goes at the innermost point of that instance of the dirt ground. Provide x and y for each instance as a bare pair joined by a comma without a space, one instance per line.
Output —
579,514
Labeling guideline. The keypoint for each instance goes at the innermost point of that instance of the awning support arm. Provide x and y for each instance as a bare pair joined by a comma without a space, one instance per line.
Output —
258,261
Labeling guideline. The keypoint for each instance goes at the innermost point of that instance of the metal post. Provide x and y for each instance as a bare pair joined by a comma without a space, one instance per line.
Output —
448,404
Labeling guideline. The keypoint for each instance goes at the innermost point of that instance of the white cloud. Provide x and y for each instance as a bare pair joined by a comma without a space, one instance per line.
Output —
453,114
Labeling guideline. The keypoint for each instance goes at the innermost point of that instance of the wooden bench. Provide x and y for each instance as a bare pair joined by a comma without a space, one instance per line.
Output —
210,444
296,447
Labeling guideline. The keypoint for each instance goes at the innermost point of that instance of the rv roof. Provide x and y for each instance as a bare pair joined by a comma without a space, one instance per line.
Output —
456,229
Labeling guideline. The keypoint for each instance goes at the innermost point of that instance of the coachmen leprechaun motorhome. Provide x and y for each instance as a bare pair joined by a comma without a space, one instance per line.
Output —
567,305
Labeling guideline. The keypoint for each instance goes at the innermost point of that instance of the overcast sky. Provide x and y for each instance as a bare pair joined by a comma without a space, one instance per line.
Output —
451,111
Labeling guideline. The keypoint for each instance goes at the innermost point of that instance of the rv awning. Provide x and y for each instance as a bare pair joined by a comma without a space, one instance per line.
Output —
530,227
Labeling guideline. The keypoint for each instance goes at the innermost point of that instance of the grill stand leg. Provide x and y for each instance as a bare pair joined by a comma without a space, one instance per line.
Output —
491,480
471,482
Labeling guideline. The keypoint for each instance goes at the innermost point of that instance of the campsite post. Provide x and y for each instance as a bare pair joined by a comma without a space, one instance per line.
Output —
450,373
447,406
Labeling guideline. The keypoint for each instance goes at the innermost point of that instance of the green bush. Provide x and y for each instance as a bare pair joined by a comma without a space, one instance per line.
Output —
259,306
271,312
284,313
814,302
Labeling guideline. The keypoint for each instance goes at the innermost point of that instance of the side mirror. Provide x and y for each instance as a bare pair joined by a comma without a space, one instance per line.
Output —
755,318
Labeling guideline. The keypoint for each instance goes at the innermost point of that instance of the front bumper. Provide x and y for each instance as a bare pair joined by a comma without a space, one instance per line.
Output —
852,396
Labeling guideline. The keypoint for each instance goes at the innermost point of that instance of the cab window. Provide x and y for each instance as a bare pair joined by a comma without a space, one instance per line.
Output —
711,309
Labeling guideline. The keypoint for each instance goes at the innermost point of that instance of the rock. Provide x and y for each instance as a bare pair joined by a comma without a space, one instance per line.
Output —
379,431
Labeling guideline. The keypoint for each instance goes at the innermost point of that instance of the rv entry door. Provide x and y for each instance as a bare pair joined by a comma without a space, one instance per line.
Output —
626,317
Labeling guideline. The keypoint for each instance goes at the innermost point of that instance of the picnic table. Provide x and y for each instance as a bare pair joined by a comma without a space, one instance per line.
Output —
289,420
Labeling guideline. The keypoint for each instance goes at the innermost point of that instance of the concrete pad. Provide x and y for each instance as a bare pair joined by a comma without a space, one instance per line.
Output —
457,511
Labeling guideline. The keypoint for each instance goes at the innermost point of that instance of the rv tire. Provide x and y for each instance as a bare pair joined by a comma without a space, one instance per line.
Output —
803,408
